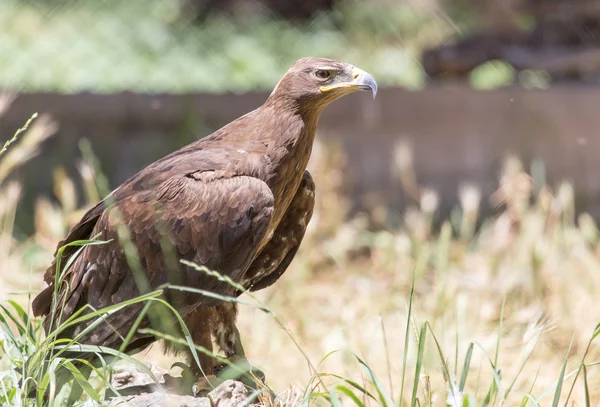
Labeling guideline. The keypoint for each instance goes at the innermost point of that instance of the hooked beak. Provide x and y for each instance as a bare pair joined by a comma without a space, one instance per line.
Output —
361,81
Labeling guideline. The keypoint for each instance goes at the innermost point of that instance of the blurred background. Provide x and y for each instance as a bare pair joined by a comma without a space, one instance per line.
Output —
474,170
140,78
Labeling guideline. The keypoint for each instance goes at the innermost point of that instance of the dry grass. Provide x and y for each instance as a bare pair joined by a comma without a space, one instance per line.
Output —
534,257
521,288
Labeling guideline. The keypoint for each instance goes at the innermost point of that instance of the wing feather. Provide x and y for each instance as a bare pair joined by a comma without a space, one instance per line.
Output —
219,224
279,252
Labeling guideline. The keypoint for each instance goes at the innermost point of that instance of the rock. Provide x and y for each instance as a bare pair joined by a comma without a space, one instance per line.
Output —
228,394
160,399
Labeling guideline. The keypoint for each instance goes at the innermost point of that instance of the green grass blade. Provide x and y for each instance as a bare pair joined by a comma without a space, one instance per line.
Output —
82,381
495,385
585,353
18,132
16,321
199,348
490,394
384,398
100,372
351,383
76,319
526,399
48,380
466,366
420,354
324,358
530,399
561,377
407,338
521,368
112,352
7,331
445,369
500,328
251,398
20,311
135,326
334,399
210,294
350,394
586,388
553,387
188,337
387,355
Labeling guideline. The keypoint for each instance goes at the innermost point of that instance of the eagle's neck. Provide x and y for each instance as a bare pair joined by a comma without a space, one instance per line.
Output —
288,149
293,132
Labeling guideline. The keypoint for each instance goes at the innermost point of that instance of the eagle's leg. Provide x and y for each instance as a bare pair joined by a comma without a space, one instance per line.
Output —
227,338
198,379
226,334
199,322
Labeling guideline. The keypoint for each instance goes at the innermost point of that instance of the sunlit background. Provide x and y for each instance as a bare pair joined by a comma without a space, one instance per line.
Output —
473,174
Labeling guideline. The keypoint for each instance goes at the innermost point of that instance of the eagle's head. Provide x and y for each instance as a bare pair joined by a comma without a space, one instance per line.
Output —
316,82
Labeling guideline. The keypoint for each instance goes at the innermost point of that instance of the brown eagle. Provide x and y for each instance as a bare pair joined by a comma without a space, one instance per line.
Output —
237,202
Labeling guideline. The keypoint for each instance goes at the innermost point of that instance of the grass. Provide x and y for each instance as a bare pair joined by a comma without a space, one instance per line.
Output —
476,312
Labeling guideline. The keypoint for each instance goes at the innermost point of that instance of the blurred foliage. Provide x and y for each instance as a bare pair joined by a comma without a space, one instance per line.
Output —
496,74
152,45
492,75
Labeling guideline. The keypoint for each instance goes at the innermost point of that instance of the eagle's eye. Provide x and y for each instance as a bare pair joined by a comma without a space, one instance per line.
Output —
323,74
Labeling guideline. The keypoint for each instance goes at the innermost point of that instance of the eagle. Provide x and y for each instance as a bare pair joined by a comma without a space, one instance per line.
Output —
236,202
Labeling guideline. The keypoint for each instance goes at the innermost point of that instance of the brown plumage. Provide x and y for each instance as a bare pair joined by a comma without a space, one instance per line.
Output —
237,201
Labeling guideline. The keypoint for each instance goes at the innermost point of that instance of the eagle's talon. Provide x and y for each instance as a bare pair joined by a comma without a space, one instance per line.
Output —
205,385
171,382
199,385
249,374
